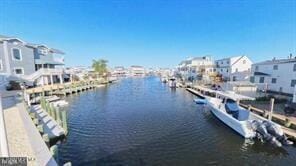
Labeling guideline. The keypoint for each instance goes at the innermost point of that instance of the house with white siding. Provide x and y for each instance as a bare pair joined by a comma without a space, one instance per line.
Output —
236,68
29,62
136,70
276,75
196,68
119,71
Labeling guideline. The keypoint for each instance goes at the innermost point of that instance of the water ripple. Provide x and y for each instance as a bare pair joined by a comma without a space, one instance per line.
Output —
143,122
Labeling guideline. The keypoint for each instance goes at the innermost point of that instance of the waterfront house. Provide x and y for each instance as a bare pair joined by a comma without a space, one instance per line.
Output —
198,68
29,62
119,71
276,75
236,68
137,71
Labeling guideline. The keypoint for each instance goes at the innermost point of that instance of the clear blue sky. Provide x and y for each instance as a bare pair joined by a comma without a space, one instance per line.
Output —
154,33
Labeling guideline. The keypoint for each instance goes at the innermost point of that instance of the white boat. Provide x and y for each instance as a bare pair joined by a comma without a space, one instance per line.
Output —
244,122
242,125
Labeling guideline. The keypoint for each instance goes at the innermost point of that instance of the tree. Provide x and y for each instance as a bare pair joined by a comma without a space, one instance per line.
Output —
100,66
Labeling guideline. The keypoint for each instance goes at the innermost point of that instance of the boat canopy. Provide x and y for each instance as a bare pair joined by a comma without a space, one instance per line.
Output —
233,95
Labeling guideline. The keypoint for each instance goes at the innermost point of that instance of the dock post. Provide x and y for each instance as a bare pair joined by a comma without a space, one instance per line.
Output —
52,110
40,128
28,99
36,121
43,93
271,109
64,89
249,107
51,91
58,115
46,138
54,151
64,120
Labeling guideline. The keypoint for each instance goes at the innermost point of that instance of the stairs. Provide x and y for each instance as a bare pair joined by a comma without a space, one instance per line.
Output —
42,72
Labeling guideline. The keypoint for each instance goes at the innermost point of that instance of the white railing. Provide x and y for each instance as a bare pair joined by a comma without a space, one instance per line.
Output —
59,59
44,71
3,138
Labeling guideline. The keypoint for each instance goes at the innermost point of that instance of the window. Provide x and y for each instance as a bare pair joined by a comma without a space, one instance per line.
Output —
19,71
16,54
1,65
221,70
221,62
294,67
43,51
244,61
236,70
293,82
273,80
226,70
234,78
256,68
275,67
261,80
252,79
227,62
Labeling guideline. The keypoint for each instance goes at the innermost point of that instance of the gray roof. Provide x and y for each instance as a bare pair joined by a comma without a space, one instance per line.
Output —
276,61
57,51
2,37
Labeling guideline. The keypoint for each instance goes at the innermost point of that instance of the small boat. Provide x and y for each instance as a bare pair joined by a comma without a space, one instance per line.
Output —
200,101
246,123
172,83
164,80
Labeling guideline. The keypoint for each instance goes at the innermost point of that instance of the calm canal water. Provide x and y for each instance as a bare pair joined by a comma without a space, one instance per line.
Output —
141,121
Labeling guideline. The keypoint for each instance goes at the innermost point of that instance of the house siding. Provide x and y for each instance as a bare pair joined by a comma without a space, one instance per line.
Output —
27,61
48,57
283,75
2,57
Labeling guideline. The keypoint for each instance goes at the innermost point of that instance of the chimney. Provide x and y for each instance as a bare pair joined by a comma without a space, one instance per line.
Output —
291,55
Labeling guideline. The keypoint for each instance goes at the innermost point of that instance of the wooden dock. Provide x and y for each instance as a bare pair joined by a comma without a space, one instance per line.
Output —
280,119
60,89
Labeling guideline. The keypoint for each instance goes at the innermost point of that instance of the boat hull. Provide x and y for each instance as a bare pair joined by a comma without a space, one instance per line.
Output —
241,127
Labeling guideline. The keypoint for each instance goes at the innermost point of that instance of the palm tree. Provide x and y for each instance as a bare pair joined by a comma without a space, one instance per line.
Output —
100,66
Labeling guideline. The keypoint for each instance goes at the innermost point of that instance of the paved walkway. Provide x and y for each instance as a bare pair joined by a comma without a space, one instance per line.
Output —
18,140
23,138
